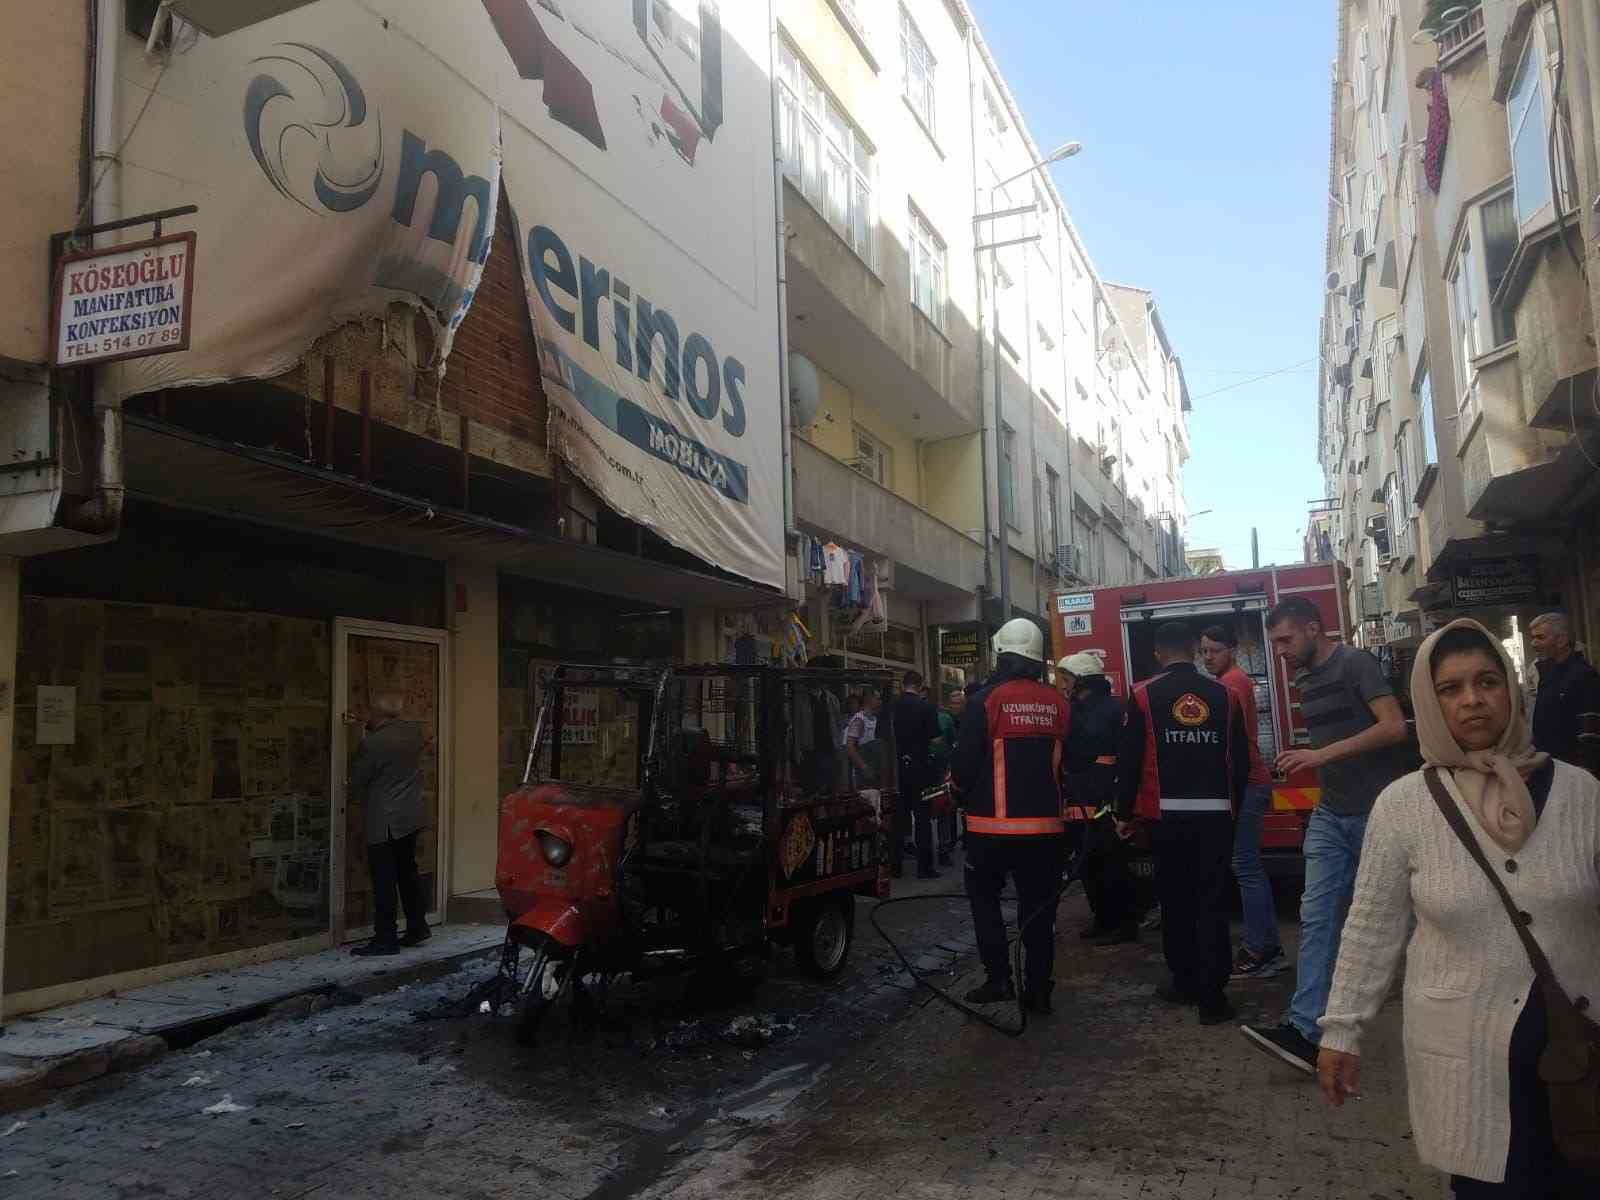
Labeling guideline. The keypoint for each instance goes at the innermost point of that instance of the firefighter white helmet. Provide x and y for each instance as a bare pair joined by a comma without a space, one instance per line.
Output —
1083,664
1021,637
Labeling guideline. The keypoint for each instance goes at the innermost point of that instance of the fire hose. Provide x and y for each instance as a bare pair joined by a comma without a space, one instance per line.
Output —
1072,874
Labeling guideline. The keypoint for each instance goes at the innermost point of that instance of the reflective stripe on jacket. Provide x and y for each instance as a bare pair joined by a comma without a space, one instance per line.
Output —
1008,761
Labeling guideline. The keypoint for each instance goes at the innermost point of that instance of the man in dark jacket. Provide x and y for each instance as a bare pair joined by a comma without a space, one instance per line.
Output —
916,728
385,778
1569,691
1182,771
1091,785
1007,768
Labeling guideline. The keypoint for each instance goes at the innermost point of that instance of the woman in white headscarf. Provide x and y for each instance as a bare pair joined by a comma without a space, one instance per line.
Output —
1475,1020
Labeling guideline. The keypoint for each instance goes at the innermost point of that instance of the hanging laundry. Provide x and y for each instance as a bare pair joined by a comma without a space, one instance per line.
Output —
855,592
874,616
815,563
836,569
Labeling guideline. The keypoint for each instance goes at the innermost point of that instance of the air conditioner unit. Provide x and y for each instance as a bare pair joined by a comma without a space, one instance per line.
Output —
1069,561
221,17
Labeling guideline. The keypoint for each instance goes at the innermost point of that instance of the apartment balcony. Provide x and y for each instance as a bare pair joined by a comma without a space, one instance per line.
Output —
1556,359
1510,471
932,559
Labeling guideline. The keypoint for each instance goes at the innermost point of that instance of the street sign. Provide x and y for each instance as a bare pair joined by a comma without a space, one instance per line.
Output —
122,302
1486,581
1075,602
958,647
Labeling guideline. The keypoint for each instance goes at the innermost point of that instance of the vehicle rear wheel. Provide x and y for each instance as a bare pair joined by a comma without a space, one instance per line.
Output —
542,987
824,932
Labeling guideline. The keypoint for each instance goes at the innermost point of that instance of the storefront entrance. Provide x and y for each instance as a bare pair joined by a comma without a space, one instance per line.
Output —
371,658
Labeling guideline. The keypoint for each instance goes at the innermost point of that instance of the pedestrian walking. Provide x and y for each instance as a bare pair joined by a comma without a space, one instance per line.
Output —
1569,689
1261,956
385,778
1181,771
1486,808
943,749
1090,771
1357,733
861,741
916,728
1007,768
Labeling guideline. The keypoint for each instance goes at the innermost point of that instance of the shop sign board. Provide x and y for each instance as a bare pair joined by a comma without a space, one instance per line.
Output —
368,146
124,302
1481,582
959,647
1070,602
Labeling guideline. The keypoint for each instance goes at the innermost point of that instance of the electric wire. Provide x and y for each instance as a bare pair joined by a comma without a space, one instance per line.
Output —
1255,379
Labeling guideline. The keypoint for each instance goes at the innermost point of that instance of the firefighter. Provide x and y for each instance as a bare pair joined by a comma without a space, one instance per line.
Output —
1182,770
1007,768
1091,783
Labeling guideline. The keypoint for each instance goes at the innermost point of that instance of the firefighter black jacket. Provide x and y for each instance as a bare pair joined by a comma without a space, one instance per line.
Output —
1184,747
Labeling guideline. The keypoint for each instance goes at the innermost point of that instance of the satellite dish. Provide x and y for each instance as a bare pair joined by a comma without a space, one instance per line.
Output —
805,391
1333,281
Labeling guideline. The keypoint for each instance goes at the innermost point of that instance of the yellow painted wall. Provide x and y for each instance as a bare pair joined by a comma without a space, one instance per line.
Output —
43,59
834,433
954,473
475,716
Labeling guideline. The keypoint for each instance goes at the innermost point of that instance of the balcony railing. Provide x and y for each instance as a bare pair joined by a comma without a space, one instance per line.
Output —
1458,33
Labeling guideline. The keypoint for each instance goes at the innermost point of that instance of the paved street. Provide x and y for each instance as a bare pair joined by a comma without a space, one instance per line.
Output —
872,1091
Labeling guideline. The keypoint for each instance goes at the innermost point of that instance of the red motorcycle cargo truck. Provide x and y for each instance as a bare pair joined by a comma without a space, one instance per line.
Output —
1119,623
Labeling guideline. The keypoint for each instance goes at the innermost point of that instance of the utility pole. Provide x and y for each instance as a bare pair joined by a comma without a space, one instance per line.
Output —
1255,550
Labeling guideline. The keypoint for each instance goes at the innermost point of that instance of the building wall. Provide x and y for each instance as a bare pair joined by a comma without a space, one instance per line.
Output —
44,60
473,594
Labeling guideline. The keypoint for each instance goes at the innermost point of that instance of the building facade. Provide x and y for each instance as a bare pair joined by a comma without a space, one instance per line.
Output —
1456,408
980,385
204,568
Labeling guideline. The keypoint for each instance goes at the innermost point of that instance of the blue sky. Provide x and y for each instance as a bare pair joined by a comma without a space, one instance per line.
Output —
1204,178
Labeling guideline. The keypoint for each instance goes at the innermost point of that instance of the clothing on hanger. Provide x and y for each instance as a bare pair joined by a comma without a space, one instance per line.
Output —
855,592
836,569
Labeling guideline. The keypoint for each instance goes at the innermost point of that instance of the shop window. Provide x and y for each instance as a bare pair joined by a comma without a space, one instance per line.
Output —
182,811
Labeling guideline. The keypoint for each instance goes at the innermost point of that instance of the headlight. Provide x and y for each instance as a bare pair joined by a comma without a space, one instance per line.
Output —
556,851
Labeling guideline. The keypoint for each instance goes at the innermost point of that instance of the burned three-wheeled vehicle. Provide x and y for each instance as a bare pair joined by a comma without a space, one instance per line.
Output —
689,818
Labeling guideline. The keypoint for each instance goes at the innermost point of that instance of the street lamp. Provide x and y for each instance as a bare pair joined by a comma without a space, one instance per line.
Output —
1063,151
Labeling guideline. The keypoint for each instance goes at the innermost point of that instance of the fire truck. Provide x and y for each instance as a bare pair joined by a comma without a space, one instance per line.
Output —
1119,624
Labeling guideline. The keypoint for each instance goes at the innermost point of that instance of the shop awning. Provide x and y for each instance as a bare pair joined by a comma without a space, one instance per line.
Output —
169,465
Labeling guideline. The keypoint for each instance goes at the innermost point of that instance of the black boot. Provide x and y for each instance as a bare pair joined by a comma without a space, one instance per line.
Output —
1036,999
992,992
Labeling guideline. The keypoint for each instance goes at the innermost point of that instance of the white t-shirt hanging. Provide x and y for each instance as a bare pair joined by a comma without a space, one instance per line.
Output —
835,566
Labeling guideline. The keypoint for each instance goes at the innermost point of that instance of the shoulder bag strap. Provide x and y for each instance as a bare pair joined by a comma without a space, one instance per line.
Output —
1458,822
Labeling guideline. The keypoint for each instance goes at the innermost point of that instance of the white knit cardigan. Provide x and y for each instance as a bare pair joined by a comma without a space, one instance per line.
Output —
1467,976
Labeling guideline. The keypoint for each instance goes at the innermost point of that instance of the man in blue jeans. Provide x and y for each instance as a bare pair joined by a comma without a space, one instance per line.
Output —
1261,956
1358,735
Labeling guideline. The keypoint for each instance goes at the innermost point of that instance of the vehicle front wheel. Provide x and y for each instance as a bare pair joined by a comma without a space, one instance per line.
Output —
541,988
824,932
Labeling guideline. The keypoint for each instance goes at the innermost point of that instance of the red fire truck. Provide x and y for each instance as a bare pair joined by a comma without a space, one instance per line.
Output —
1119,623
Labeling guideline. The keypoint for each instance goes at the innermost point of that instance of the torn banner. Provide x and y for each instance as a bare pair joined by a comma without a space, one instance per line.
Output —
350,154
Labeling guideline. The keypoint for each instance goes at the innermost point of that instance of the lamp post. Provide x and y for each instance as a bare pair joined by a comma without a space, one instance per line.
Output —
1066,150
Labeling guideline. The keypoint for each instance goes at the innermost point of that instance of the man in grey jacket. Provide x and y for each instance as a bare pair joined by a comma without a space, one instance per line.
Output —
385,776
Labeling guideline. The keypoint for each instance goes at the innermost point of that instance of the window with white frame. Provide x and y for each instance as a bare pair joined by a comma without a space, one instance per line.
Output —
1008,476
1386,333
1528,115
1478,324
918,67
1363,68
1406,186
824,154
927,269
873,459
1427,429
1399,518
994,114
